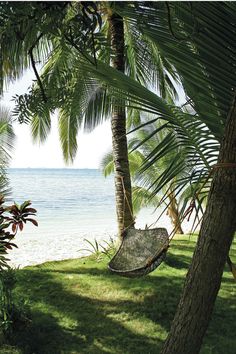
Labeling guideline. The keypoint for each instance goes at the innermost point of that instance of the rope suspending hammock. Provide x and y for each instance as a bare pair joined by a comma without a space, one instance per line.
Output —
142,251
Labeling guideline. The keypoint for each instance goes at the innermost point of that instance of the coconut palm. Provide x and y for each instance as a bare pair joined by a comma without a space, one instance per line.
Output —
142,190
82,100
199,40
148,186
142,194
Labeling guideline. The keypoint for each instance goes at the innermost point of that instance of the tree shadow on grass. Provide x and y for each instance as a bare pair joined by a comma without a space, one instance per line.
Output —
88,325
183,248
177,262
220,338
66,320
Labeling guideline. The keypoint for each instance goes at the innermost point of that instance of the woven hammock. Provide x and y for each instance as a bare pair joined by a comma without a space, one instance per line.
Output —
140,252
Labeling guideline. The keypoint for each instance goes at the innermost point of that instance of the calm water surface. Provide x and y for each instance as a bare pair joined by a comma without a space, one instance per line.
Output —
67,200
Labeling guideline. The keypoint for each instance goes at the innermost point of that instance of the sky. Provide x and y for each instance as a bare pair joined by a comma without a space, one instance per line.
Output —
91,146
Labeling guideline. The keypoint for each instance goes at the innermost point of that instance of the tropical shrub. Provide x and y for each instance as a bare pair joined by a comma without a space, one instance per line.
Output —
12,219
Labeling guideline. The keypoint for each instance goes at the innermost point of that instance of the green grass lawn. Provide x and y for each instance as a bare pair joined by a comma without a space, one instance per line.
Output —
78,306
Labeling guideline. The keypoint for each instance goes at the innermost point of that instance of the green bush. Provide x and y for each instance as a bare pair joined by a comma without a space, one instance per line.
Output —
12,219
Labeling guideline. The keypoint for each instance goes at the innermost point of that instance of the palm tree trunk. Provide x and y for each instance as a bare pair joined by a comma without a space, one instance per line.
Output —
173,213
124,207
216,234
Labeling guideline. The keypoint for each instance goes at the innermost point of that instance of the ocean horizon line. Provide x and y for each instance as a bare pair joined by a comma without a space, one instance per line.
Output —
53,168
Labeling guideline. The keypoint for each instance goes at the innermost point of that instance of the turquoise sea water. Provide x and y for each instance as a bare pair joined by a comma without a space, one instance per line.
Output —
67,200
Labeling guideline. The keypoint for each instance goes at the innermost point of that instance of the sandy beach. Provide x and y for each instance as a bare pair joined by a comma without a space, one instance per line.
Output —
35,251
68,216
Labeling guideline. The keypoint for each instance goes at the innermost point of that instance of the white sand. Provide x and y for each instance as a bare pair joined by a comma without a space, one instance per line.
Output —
35,250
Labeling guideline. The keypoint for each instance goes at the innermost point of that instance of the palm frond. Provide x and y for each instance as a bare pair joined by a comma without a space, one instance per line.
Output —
68,129
142,199
201,50
107,164
7,137
40,126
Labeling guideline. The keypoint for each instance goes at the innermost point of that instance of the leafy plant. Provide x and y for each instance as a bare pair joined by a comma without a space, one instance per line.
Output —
7,284
108,248
12,219
13,311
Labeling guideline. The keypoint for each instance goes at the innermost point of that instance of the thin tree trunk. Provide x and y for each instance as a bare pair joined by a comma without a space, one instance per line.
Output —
173,213
216,234
124,207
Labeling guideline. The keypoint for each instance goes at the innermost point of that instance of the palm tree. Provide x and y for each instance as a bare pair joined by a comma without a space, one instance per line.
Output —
124,205
82,100
6,144
218,110
121,35
142,195
152,184
199,40
143,183
202,49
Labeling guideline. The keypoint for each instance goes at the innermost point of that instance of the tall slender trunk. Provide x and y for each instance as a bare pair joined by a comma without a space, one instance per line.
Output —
124,206
173,213
216,234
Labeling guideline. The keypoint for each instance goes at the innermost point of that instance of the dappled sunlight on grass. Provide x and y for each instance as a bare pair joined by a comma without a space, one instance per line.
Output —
78,306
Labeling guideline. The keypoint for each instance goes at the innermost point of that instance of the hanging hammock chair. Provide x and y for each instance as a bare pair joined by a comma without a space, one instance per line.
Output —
140,252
